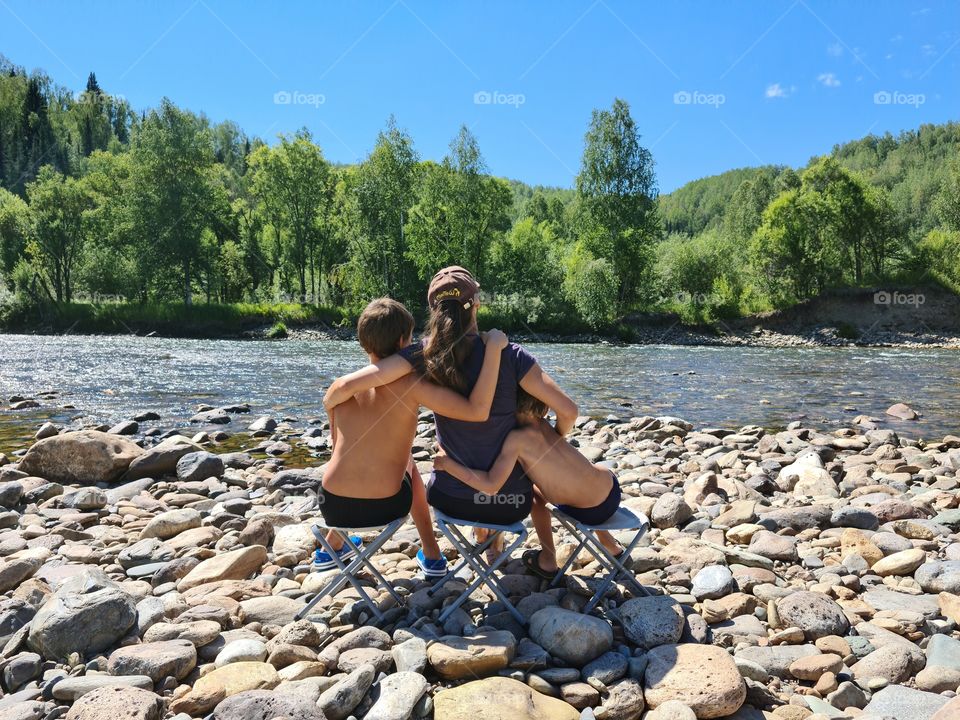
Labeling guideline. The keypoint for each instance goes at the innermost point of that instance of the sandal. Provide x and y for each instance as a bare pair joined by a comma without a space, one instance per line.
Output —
531,561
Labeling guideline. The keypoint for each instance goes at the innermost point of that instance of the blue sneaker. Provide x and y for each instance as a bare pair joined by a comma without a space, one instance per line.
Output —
432,569
323,561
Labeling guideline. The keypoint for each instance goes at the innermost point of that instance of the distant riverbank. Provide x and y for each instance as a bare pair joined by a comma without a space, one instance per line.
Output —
865,318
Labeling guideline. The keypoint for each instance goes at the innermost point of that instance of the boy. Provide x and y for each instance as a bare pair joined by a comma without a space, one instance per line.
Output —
371,478
559,473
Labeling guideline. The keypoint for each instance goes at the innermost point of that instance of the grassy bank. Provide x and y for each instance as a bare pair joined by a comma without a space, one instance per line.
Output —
229,320
170,319
854,314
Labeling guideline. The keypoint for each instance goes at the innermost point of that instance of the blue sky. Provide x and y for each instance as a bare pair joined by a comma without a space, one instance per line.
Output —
712,85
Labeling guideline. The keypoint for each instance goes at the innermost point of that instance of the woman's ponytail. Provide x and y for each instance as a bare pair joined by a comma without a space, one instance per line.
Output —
449,345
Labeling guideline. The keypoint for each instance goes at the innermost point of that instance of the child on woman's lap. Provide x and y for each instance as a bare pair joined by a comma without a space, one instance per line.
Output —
560,475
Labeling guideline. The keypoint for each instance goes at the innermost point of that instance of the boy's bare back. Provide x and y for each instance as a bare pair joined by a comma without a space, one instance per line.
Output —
374,432
563,475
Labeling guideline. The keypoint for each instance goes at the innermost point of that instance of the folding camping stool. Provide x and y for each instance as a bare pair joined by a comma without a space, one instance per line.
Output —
350,567
622,519
472,554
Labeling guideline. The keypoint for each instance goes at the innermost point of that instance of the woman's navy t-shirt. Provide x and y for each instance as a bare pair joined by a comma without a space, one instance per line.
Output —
477,444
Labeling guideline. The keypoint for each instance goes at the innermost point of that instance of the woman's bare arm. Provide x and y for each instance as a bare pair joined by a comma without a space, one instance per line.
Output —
452,404
543,387
382,372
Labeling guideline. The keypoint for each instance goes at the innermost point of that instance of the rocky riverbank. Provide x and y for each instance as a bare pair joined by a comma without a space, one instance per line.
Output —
657,333
796,574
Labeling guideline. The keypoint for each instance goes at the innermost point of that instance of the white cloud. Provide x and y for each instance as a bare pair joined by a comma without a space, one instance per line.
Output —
928,50
776,91
835,50
828,80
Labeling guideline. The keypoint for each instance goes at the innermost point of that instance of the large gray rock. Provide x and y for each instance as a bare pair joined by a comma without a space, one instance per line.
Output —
70,688
776,659
573,637
267,705
14,614
713,581
651,621
903,703
171,523
271,610
161,459
939,576
338,702
814,613
156,660
396,696
669,511
943,651
703,677
893,663
117,701
81,457
197,466
88,613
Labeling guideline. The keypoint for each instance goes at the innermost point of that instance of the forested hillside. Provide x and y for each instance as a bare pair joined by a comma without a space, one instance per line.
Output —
104,206
876,210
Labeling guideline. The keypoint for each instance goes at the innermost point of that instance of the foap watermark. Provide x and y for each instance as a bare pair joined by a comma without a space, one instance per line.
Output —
299,298
695,97
495,97
686,298
893,297
895,97
97,298
297,97
514,500
97,98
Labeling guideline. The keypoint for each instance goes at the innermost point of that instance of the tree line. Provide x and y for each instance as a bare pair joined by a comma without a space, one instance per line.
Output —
880,210
103,203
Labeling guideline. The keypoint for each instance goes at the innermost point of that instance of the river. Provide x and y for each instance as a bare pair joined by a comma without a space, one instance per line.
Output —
108,378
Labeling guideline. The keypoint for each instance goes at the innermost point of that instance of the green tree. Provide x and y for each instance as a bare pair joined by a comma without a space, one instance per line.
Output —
591,285
112,261
385,188
92,118
744,212
57,204
617,190
940,252
948,201
526,261
794,252
15,230
294,183
459,212
169,195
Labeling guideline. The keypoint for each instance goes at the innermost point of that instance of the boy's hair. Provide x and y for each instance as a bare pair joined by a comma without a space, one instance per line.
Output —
383,324
527,404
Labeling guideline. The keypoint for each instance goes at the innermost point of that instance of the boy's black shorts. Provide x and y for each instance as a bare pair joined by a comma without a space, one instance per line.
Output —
346,512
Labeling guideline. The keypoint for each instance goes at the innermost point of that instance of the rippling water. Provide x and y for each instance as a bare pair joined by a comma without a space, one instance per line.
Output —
110,378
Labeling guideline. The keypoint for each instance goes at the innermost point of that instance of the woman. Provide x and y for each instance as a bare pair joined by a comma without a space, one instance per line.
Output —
451,355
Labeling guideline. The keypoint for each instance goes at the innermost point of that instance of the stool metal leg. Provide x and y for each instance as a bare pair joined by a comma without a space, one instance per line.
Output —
348,570
485,573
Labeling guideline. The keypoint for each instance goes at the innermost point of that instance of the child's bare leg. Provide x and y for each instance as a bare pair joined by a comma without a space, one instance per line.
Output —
542,524
608,541
335,540
420,512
